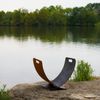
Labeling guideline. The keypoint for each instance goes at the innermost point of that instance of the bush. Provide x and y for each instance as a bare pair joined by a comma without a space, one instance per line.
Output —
3,93
83,72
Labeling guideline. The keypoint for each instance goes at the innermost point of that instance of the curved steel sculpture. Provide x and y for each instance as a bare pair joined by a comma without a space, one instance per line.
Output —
61,78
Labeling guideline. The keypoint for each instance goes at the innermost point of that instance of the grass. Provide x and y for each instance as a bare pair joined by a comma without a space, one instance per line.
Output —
4,93
84,72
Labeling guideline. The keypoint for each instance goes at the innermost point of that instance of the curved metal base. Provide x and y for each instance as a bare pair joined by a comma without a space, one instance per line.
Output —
52,87
61,78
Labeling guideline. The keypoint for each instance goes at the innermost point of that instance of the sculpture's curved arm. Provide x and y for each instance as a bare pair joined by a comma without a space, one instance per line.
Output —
66,72
39,68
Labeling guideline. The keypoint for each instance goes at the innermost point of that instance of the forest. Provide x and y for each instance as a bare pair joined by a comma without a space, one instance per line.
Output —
53,16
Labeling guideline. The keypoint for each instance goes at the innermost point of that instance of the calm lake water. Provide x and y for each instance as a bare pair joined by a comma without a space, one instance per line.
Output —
18,46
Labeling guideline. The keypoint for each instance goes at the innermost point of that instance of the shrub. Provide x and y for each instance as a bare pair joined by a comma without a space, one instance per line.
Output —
83,72
3,93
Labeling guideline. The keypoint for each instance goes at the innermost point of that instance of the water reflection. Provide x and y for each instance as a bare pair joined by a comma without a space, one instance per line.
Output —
18,45
89,35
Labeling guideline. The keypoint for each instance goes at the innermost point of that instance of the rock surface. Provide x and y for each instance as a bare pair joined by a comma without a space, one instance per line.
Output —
88,90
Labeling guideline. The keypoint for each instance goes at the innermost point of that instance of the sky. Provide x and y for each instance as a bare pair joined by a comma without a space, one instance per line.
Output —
31,5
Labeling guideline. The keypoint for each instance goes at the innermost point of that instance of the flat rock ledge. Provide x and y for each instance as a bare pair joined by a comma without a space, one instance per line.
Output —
88,90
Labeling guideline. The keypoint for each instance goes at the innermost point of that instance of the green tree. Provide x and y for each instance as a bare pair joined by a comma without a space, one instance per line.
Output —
57,16
54,16
2,13
82,16
7,18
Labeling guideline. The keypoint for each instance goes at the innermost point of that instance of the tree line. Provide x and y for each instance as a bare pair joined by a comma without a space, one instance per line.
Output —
53,16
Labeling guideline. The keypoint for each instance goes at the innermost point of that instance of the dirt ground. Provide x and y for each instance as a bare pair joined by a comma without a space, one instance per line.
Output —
87,90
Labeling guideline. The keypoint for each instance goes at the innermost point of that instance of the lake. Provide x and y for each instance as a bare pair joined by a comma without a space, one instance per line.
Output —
19,45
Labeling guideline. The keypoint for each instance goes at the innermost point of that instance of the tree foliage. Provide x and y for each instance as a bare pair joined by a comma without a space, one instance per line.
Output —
53,15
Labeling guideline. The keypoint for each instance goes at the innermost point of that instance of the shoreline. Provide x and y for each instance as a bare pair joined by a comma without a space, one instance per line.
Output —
84,90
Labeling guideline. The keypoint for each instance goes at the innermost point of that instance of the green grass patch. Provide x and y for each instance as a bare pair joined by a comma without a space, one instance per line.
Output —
4,93
83,72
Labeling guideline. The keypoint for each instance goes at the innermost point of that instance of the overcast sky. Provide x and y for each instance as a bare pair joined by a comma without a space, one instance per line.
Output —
31,5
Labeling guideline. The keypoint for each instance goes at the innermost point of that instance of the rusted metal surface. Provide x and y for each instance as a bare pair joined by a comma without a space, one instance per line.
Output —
39,68
61,78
